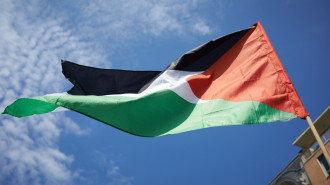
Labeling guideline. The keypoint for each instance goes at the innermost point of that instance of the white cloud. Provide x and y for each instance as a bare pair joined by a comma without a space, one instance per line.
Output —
123,20
72,127
112,174
34,36
31,48
32,156
201,28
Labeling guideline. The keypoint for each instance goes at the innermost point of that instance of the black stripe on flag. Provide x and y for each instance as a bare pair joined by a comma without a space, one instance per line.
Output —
202,57
96,81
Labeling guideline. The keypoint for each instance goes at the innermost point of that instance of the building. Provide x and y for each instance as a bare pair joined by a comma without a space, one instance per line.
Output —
310,165
314,162
293,174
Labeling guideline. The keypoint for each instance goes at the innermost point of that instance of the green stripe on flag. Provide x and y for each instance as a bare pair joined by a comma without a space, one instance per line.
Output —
29,106
159,113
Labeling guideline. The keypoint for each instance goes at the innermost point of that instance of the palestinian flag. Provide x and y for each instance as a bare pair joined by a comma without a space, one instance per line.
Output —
236,79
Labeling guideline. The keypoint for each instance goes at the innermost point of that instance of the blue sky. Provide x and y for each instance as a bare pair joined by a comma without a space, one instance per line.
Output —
68,148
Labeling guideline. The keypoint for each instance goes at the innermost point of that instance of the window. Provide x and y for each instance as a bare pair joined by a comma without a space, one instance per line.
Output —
324,165
287,183
326,136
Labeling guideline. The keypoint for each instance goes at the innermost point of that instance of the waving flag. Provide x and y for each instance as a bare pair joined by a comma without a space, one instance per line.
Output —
236,79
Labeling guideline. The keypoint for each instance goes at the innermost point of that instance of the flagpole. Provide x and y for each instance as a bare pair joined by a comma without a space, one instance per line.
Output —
318,139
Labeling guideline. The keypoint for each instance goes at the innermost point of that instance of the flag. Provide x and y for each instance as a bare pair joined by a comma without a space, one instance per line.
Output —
236,79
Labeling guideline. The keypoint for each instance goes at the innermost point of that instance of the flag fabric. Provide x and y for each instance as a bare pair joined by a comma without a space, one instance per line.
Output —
94,81
236,79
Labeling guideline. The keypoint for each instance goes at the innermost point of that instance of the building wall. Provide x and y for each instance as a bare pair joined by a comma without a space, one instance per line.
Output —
292,174
314,170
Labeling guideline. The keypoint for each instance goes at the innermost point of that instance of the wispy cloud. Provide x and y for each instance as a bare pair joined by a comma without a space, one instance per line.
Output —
201,28
29,154
112,170
30,49
34,36
132,19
